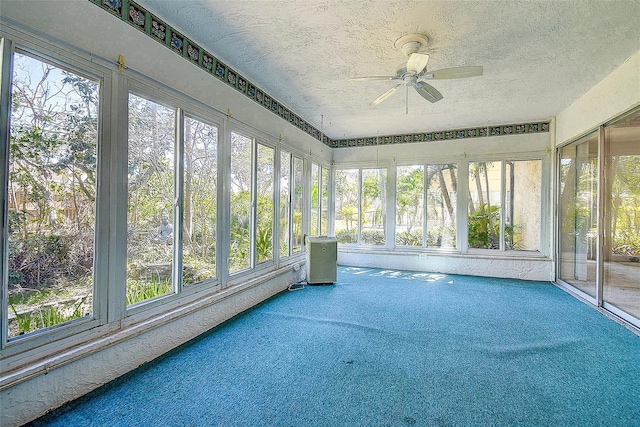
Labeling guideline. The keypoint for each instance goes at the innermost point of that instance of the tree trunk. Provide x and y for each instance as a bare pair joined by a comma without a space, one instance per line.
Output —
445,193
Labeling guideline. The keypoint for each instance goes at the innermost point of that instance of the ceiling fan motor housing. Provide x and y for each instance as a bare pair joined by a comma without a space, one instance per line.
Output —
411,43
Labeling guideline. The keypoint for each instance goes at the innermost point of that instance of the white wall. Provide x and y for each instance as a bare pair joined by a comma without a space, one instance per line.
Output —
615,94
521,267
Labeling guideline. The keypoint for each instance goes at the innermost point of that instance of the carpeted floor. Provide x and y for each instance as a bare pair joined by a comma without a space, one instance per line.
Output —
388,348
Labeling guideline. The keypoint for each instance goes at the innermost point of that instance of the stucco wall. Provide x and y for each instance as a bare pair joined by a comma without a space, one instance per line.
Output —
55,385
615,94
522,267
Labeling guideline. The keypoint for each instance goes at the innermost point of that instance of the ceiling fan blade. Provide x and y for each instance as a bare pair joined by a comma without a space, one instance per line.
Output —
454,73
385,95
361,79
417,62
428,92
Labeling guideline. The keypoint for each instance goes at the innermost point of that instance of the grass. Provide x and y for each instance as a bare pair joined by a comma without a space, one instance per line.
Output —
142,290
46,316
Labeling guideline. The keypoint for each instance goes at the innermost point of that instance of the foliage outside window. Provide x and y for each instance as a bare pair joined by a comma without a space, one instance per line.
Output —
373,206
324,201
523,180
360,206
296,202
51,195
484,205
518,226
624,181
315,200
150,219
241,197
265,178
577,213
621,243
437,217
285,203
347,205
319,200
442,190
409,205
200,208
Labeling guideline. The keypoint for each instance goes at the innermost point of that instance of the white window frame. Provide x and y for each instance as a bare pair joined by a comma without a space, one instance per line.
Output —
29,46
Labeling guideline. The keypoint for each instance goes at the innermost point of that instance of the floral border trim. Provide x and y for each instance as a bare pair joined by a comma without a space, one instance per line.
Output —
496,130
156,28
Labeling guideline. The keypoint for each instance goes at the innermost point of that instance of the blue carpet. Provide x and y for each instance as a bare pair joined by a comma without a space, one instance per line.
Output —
388,348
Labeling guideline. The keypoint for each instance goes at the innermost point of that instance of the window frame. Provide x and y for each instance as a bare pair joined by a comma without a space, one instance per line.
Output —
209,121
185,107
257,138
322,202
387,212
10,45
544,196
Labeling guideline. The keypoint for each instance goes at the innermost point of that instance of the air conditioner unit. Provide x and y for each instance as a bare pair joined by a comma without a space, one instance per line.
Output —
322,259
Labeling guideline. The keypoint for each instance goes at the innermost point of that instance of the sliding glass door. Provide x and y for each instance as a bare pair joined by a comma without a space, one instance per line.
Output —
621,282
599,216
578,214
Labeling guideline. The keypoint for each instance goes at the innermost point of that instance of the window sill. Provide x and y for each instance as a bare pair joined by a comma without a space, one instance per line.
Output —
448,252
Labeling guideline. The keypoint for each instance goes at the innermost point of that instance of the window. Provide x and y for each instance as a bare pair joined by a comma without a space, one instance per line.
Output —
319,200
285,203
291,204
241,199
442,188
51,194
296,202
324,201
437,218
360,206
265,178
484,205
315,200
99,224
409,205
522,205
252,203
509,219
200,206
373,206
151,182
347,205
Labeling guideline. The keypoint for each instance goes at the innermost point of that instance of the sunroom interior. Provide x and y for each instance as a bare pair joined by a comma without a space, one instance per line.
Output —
164,162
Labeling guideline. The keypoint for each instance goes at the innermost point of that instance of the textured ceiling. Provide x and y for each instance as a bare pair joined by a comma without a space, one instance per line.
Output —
538,56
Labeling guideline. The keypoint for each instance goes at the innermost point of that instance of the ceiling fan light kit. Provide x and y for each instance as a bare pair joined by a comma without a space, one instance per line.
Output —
414,72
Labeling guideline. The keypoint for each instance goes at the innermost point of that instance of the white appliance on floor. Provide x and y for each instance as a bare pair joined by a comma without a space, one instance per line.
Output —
322,259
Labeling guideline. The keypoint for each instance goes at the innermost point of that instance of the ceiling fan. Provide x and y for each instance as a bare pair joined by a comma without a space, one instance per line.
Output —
414,73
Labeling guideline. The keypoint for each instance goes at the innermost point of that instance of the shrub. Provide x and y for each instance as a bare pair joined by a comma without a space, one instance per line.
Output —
347,236
373,237
410,238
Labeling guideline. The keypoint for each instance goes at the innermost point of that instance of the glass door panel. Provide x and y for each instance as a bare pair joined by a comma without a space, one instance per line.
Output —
621,287
577,211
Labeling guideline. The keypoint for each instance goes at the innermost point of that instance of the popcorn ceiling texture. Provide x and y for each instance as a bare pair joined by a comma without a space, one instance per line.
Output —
538,56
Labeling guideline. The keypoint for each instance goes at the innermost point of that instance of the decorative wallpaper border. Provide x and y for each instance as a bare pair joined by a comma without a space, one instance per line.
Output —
476,132
154,27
